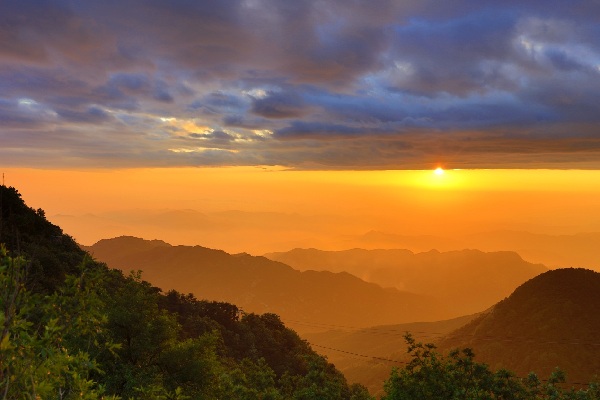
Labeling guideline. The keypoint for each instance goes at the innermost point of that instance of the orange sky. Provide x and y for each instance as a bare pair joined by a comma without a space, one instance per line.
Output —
319,207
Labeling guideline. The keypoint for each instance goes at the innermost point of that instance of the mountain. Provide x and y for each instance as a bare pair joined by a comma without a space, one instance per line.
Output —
552,250
467,281
577,250
258,284
550,321
233,230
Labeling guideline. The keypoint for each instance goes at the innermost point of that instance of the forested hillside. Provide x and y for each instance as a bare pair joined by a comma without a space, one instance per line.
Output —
550,321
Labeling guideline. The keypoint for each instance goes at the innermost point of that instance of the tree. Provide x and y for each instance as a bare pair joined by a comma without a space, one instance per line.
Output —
45,339
430,375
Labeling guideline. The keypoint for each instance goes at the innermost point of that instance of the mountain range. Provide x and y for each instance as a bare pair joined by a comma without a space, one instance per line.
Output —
257,284
552,250
467,281
263,232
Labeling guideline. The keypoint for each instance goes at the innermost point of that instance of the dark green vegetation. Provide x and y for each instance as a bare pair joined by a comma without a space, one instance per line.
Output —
72,328
431,376
260,285
466,281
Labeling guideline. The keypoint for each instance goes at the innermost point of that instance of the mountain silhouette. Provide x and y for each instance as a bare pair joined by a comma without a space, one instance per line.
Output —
550,321
467,281
257,284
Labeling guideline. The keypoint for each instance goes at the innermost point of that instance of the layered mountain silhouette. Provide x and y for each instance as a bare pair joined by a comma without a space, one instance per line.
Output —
467,281
551,321
553,250
257,284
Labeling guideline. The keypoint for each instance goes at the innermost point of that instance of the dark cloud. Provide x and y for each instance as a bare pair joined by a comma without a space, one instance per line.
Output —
279,105
92,115
300,83
12,117
562,61
317,130
136,85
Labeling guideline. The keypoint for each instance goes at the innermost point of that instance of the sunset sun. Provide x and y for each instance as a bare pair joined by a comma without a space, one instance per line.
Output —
439,171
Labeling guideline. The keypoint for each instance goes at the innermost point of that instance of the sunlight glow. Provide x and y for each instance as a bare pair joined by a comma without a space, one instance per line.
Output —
439,171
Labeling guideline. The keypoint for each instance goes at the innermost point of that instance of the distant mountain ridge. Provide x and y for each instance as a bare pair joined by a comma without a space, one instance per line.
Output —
257,284
553,250
468,281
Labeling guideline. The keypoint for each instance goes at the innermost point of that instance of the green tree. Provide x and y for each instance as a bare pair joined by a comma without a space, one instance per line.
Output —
430,375
45,339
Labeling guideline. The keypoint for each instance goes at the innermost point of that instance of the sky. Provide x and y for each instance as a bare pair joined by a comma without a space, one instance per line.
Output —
305,85
258,210
258,125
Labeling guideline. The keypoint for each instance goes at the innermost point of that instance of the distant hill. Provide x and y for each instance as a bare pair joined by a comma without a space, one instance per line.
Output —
550,321
552,250
467,281
257,284
578,250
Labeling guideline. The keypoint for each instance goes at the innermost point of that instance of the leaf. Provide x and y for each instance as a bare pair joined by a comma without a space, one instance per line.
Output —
5,344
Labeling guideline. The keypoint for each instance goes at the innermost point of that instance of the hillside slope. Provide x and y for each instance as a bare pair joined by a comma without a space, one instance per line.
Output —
550,321
257,284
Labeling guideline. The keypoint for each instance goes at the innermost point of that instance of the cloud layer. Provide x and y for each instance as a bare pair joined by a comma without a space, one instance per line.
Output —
303,84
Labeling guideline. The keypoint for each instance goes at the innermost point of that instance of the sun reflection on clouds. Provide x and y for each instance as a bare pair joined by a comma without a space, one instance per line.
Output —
201,150
183,126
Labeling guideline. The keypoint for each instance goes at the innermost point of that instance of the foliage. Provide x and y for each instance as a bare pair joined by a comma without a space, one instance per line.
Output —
430,375
46,340
51,254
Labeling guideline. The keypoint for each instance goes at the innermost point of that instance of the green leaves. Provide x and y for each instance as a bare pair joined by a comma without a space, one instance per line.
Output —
430,375
45,338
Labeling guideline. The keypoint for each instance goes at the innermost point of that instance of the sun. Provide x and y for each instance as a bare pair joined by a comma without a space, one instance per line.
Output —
439,171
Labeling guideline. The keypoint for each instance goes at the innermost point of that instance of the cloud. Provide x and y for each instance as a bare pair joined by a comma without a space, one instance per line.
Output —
279,105
332,83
